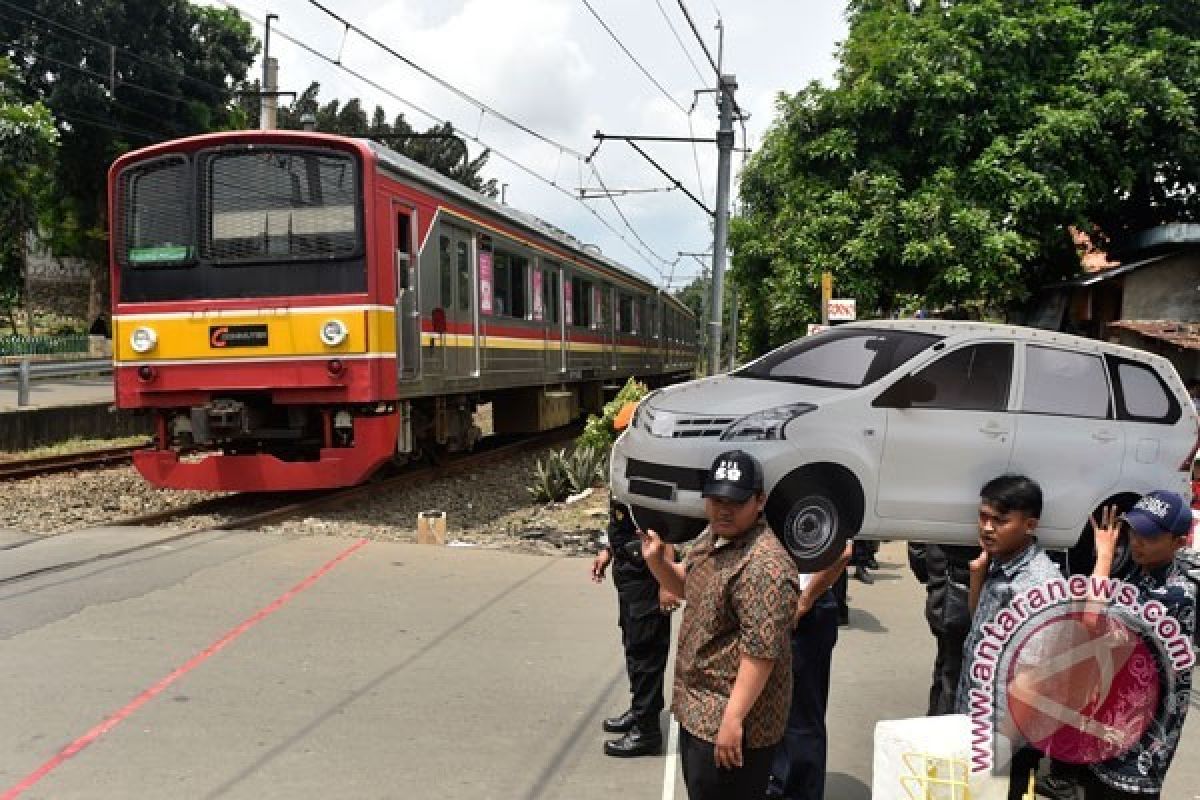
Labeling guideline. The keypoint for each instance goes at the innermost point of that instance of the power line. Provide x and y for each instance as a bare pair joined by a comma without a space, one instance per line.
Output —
632,58
699,39
679,40
88,37
499,153
483,107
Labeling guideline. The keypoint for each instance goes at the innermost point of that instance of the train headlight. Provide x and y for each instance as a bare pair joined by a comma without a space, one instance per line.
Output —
142,340
334,332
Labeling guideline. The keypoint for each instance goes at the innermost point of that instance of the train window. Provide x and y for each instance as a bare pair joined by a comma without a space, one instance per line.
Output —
624,313
446,271
464,277
279,205
510,295
156,226
581,302
603,307
550,292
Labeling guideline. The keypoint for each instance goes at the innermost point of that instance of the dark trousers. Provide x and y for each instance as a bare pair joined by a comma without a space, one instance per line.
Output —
840,589
798,769
946,670
645,637
1025,763
705,781
1096,789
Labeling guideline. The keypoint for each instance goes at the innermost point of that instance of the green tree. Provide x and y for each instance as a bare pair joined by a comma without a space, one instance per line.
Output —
27,145
438,148
118,75
961,139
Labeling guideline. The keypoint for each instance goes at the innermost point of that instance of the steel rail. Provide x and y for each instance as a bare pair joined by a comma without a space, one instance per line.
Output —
322,500
83,459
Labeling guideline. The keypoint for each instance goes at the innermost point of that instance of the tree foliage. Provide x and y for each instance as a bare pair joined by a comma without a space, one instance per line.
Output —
27,146
118,75
960,141
438,148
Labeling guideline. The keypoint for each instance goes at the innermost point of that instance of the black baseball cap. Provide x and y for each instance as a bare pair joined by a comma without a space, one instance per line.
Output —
734,475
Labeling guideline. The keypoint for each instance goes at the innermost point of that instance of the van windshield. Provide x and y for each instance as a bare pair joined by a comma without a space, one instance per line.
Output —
841,359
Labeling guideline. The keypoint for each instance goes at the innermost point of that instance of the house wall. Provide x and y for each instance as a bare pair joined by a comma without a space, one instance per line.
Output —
1169,289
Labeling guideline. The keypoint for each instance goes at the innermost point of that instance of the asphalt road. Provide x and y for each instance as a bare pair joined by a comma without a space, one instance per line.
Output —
242,665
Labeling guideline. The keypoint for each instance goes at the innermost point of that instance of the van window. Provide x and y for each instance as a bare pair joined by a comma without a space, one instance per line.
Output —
1141,394
975,378
1066,383
844,359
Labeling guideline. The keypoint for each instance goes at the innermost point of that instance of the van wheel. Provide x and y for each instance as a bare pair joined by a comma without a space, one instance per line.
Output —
810,525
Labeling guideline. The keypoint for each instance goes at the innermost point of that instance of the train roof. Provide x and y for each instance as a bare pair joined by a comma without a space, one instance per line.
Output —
413,169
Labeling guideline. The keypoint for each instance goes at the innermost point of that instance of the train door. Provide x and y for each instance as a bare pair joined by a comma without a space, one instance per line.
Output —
408,307
462,320
549,288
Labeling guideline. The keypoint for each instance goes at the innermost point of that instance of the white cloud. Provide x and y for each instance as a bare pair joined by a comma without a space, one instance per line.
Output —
551,66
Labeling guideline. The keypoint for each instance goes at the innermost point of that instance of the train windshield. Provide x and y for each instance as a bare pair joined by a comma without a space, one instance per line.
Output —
276,205
227,221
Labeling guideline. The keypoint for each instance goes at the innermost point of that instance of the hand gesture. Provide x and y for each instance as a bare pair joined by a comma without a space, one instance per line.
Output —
727,751
980,563
600,564
667,601
803,606
1107,531
653,548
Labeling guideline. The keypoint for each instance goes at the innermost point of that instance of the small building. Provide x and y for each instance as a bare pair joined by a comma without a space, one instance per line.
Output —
1146,294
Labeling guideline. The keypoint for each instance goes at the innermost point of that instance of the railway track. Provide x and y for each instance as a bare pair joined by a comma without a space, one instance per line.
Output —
252,511
87,459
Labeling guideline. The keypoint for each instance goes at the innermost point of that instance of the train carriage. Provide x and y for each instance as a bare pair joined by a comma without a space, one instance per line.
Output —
295,309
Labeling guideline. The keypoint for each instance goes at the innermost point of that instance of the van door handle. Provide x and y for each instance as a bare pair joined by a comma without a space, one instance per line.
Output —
993,429
1104,436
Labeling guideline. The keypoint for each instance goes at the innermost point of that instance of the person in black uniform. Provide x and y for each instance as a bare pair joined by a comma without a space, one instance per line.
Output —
644,614
945,571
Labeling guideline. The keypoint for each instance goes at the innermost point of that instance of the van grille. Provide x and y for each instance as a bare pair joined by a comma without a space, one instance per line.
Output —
670,425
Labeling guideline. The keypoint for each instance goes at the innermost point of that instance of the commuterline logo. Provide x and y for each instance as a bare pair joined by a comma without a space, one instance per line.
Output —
1096,596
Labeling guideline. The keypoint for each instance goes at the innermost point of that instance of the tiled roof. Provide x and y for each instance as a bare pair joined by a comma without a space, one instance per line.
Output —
1180,334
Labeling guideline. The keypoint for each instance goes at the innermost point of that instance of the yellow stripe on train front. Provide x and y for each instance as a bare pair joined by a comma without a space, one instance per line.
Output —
253,334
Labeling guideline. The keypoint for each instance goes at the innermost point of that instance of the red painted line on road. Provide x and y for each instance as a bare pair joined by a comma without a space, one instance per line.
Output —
104,727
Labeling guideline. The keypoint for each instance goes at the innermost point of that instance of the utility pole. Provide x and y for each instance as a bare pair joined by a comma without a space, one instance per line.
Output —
270,82
724,152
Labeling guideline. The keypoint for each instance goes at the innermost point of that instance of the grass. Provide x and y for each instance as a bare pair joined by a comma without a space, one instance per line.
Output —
72,446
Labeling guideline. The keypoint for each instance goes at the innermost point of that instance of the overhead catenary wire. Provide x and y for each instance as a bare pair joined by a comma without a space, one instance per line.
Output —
124,50
275,30
482,106
633,58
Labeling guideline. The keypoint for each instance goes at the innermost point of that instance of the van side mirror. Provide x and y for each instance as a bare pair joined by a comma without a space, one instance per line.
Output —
906,391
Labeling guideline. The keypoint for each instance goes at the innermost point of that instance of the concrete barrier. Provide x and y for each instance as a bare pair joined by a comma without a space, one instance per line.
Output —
26,428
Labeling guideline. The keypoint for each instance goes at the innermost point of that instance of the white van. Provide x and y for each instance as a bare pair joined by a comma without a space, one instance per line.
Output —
888,430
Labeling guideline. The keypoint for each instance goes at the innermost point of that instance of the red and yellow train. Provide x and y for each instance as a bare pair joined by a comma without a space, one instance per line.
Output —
295,309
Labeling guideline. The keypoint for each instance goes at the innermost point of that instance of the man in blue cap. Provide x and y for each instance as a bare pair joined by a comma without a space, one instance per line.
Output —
1158,526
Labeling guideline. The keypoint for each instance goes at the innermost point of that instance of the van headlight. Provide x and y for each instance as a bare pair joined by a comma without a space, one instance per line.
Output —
143,339
765,425
334,332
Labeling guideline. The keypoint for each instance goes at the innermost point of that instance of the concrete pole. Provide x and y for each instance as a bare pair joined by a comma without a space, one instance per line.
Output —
724,159
733,330
270,71
23,383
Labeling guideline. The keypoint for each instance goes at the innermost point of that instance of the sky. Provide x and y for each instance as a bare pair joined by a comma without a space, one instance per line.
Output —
552,66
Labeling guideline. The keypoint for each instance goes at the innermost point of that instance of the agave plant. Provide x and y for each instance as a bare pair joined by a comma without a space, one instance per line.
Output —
586,467
551,480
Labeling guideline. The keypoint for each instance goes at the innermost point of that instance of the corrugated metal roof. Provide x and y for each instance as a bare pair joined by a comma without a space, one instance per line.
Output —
1092,278
1180,334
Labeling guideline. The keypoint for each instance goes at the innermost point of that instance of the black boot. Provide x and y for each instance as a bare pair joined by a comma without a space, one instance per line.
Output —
620,724
861,574
642,740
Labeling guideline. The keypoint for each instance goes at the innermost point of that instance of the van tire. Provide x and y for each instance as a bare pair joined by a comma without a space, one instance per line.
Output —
810,524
